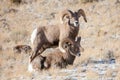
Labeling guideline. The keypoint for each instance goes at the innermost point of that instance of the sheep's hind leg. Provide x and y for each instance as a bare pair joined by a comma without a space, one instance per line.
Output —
36,52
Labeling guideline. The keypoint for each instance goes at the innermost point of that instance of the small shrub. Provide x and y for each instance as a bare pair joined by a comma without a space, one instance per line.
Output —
16,1
19,35
86,1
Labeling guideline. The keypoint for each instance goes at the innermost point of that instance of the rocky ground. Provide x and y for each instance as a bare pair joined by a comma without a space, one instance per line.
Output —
100,38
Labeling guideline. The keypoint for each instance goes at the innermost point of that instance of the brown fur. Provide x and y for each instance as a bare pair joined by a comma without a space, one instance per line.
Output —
57,58
48,36
22,48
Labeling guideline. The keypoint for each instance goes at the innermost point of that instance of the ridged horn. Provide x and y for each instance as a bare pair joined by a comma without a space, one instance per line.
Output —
81,12
65,43
67,13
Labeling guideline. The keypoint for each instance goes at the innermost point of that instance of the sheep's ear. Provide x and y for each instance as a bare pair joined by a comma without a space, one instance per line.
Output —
78,39
82,13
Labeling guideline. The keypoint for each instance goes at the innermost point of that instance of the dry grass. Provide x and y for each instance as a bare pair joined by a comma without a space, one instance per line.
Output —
99,36
92,75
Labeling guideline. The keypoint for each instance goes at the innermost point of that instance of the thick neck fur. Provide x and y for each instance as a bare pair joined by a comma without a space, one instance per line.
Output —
69,31
69,58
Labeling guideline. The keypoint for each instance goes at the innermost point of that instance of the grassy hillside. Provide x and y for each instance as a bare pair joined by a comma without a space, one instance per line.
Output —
100,38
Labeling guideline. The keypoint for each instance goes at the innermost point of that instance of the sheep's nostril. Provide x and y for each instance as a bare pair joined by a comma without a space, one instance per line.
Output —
78,54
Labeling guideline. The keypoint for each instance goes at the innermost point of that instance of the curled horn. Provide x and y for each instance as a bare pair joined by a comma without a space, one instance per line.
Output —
81,12
65,43
66,13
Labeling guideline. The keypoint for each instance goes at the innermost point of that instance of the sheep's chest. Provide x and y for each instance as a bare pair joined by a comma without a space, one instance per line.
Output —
69,31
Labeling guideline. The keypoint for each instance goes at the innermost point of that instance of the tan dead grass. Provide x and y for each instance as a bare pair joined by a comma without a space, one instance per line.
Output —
101,33
118,76
108,73
91,75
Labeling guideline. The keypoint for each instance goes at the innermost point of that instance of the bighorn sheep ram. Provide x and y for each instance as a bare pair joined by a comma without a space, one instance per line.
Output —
47,36
56,58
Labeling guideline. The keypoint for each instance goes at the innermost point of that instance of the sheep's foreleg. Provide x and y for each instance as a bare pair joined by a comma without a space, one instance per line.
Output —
36,53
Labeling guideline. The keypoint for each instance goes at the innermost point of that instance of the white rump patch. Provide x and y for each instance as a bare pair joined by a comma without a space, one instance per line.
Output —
61,21
34,33
30,68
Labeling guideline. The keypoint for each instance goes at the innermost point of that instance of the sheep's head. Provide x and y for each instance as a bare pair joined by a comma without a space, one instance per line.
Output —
72,18
73,46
